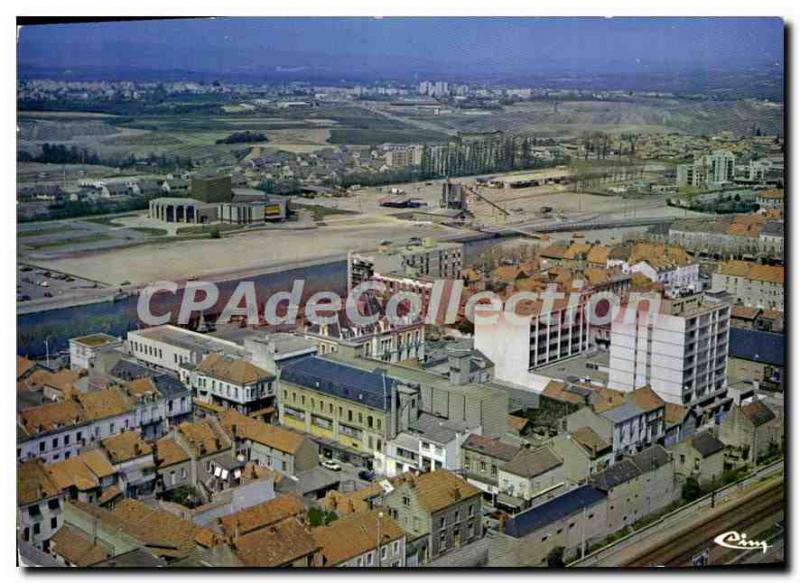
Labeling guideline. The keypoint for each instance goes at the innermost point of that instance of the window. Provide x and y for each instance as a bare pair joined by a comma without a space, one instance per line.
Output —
55,442
384,553
406,500
396,547
54,522
66,440
41,446
370,558
37,528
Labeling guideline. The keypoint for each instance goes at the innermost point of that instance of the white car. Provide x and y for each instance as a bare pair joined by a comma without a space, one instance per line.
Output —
331,465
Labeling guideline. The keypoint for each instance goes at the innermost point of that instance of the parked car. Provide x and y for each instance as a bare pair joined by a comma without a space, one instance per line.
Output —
366,475
331,465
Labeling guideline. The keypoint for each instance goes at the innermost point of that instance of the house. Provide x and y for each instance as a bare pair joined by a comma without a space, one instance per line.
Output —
429,443
481,458
637,486
133,461
287,543
277,448
679,423
173,465
583,452
701,457
233,383
132,524
39,504
531,476
352,502
84,477
751,428
75,548
260,516
205,441
439,511
58,430
629,425
364,539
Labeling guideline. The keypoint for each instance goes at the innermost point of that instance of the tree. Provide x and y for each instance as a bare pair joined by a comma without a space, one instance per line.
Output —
555,558
691,490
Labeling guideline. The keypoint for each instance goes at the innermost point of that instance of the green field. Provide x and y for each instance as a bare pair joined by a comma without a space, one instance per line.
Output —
382,136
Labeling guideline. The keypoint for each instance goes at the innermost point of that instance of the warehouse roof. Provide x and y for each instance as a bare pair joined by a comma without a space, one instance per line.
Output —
560,507
757,346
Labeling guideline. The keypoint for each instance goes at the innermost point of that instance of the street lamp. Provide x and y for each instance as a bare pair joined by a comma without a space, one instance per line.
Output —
380,518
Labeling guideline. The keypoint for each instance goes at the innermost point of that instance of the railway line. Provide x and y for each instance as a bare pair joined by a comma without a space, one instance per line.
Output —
697,538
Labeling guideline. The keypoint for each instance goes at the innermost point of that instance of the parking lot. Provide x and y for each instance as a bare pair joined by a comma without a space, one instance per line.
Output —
34,283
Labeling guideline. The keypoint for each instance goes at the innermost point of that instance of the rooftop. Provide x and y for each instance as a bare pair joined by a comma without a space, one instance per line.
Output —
189,340
706,444
438,489
369,388
236,371
277,545
553,510
530,463
126,446
491,447
240,426
34,483
354,535
77,547
261,515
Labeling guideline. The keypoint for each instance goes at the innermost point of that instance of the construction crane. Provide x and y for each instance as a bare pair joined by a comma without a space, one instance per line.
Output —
474,192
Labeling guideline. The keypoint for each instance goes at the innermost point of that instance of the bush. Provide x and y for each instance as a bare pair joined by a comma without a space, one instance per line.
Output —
319,517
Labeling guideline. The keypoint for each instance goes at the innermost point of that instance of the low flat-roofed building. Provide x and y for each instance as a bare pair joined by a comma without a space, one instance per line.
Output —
568,521
169,347
83,348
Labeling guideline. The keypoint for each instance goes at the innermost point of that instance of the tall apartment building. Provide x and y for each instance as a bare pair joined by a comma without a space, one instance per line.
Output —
709,171
438,260
517,347
399,156
681,352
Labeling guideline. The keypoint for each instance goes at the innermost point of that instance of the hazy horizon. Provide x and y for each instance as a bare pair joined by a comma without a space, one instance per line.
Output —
350,48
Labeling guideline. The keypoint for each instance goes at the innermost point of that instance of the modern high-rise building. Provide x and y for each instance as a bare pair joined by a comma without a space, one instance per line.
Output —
709,171
681,351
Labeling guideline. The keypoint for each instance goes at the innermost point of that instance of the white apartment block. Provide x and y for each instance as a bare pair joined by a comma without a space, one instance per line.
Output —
519,345
681,352
709,171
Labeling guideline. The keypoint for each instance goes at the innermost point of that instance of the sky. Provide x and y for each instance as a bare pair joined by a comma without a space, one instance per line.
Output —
407,46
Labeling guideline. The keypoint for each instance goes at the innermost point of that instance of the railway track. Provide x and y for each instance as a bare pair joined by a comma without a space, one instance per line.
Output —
695,538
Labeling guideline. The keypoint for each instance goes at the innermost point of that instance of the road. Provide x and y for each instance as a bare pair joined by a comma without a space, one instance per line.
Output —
674,534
